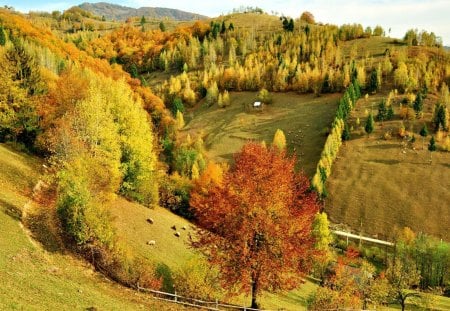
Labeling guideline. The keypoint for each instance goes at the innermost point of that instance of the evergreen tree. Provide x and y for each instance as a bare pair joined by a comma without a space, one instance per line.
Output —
231,27
357,89
223,29
346,132
373,81
2,36
390,112
177,106
382,111
134,71
162,27
418,104
143,21
440,118
432,144
291,25
369,124
25,68
424,131
215,29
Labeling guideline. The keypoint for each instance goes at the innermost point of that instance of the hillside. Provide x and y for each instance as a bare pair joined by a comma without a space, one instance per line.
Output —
138,126
303,119
121,13
416,188
33,278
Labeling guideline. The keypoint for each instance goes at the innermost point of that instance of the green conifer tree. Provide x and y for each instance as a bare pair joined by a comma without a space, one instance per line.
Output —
369,124
418,104
2,36
346,132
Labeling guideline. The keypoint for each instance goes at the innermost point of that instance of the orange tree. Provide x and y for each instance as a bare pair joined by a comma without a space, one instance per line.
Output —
255,226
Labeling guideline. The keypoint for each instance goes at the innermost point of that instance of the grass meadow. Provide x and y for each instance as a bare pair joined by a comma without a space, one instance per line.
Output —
378,185
303,119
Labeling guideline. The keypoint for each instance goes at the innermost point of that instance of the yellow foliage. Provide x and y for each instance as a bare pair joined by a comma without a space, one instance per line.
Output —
279,140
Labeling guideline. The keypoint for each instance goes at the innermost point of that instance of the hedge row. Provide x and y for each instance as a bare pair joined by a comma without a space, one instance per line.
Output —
334,139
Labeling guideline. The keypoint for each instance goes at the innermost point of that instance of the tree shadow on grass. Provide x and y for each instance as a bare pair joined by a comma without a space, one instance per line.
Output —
11,210
383,146
42,226
387,162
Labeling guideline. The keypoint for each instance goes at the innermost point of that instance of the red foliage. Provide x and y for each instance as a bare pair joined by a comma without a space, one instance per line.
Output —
256,225
352,253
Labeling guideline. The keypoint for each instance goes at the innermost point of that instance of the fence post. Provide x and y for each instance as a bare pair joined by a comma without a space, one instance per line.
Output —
176,297
217,304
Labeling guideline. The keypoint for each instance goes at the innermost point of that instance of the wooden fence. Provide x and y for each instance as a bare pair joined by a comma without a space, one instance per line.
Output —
197,303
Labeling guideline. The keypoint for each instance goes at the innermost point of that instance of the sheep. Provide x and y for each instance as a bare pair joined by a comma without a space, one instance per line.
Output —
150,220
177,234
151,242
173,227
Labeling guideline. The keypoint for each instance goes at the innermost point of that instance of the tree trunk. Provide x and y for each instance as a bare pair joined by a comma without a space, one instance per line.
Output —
402,303
254,295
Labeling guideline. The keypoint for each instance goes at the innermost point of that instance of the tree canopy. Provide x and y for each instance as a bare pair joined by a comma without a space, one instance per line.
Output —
256,226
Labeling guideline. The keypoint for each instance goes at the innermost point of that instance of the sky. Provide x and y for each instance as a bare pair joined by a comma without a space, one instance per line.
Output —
398,15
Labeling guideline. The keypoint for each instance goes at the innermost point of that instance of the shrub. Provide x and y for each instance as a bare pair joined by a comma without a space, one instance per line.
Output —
196,279
265,97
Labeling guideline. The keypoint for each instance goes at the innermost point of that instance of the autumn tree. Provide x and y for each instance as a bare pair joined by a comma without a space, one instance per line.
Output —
180,119
402,274
265,96
279,140
307,17
323,237
256,227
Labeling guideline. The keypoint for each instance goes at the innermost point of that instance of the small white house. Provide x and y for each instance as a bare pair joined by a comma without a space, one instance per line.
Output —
257,104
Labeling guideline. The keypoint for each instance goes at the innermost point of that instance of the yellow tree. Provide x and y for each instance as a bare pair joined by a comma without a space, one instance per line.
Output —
279,140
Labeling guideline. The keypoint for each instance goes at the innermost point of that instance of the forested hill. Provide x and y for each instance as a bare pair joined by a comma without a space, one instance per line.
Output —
118,12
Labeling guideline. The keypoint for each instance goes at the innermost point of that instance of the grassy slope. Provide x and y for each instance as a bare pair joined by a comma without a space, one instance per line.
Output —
301,117
130,219
34,279
385,185
174,252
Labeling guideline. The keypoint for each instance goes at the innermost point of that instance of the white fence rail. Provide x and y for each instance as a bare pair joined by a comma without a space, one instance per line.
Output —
361,238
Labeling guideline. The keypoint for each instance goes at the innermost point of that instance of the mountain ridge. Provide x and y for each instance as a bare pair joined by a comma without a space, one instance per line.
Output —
118,12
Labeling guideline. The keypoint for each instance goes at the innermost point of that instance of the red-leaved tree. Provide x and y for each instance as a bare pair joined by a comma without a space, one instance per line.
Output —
256,225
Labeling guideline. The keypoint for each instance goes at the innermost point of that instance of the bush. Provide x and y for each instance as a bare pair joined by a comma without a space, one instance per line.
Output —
196,279
265,97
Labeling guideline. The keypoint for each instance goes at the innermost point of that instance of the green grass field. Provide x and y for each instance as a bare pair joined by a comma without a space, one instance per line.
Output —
32,278
379,185
302,118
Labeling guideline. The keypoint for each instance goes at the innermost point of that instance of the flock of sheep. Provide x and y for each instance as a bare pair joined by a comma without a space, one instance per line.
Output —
174,228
